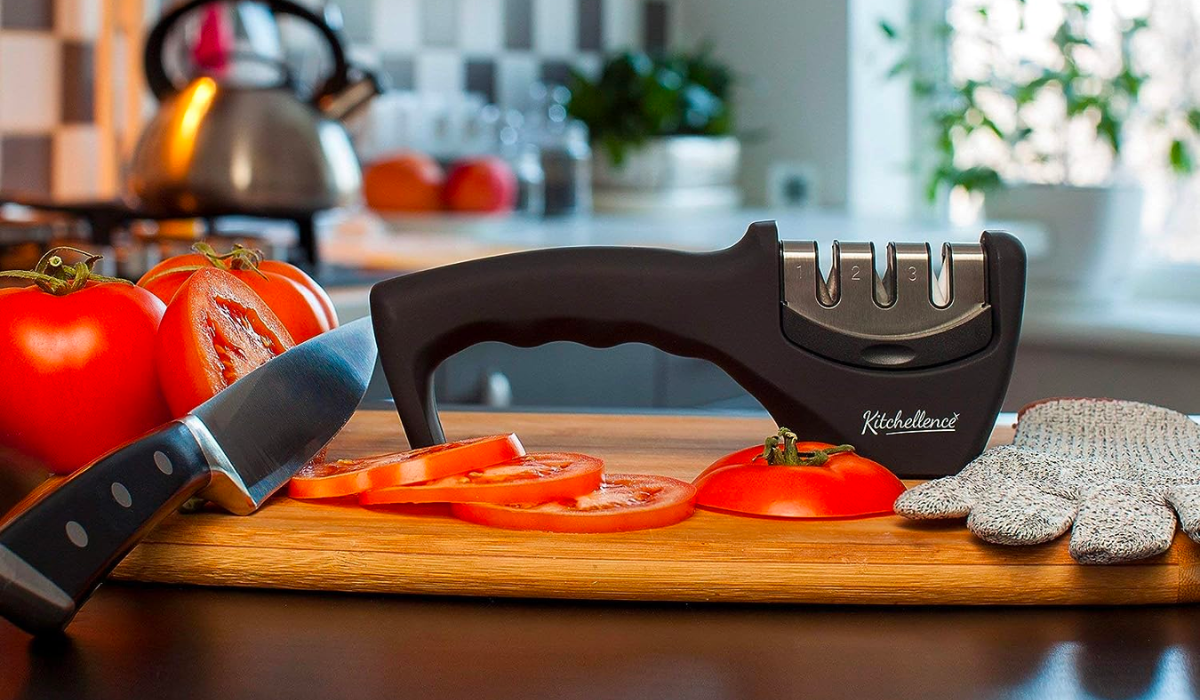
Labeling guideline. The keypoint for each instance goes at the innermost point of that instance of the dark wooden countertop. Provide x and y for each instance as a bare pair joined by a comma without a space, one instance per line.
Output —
162,642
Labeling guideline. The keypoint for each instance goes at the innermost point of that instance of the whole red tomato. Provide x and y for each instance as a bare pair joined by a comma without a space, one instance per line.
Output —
300,277
481,186
298,301
78,371
404,182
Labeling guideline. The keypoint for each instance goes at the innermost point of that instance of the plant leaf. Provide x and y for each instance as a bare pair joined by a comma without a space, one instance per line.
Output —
1193,119
898,67
1109,128
638,96
1181,158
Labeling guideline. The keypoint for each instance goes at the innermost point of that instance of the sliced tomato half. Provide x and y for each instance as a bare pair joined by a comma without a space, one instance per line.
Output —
534,478
346,477
215,331
623,502
844,485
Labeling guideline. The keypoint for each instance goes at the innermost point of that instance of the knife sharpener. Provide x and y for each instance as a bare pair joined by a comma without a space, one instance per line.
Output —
910,367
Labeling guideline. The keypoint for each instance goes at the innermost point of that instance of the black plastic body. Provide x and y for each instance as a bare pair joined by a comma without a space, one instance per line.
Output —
902,353
55,550
725,307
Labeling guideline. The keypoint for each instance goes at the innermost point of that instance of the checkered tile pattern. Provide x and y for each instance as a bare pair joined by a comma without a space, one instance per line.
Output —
49,136
498,47
64,119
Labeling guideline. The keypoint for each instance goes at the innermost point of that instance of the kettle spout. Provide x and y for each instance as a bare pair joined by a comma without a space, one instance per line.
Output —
363,85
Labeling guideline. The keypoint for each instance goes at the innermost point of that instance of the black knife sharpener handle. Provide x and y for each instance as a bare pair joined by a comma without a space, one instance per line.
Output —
688,304
726,307
56,548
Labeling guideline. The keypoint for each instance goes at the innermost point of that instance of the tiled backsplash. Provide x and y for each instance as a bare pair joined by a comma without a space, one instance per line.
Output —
497,47
48,130
67,67
70,94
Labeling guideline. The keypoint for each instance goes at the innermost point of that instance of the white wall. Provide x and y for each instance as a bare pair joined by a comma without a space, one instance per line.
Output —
881,181
811,74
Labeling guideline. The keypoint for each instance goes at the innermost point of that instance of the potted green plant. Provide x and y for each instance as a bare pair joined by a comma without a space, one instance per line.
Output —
662,131
1040,132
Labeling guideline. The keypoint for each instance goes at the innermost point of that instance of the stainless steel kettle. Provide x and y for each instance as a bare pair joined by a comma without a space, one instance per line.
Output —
214,149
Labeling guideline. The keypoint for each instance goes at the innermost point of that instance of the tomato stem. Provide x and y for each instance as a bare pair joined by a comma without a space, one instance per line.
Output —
238,258
780,450
53,276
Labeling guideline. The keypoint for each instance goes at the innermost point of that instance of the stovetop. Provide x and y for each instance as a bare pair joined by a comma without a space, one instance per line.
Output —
133,241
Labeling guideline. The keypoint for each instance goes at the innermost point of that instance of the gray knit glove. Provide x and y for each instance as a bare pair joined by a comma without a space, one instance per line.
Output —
1113,468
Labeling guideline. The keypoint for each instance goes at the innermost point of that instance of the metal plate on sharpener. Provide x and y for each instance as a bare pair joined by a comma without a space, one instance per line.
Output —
908,318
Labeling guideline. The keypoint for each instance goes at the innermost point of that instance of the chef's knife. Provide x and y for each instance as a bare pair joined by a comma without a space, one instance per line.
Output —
235,449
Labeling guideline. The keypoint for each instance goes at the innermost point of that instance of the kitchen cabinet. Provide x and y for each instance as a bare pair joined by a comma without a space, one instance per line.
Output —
690,383
569,375
563,374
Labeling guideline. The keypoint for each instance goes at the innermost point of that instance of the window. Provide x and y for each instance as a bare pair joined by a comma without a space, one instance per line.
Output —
1000,50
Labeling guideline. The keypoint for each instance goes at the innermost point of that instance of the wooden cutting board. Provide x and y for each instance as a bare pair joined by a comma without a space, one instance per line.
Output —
711,557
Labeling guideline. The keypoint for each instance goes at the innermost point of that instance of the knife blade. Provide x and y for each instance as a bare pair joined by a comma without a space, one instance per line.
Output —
236,449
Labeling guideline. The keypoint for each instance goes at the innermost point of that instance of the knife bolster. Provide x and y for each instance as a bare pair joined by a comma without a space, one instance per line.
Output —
226,487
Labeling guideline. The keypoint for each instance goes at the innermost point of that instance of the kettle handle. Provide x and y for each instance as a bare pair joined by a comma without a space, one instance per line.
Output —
162,86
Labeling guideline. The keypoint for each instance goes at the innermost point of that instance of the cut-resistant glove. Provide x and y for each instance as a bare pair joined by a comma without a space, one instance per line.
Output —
1118,470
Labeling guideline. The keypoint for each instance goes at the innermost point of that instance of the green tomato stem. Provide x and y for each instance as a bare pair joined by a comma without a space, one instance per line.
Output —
53,276
238,258
780,450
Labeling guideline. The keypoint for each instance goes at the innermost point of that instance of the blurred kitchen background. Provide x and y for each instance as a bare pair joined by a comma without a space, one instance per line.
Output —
504,125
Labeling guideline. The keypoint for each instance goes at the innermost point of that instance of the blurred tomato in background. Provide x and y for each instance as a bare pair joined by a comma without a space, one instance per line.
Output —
405,182
481,185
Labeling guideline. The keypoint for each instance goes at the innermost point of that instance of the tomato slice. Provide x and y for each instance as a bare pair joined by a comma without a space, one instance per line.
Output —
848,485
347,477
534,478
623,502
215,331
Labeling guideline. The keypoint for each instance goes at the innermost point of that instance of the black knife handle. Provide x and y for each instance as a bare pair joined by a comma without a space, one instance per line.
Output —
56,549
683,303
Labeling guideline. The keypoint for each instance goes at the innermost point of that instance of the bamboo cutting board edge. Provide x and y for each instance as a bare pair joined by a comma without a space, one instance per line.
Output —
712,557
687,581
